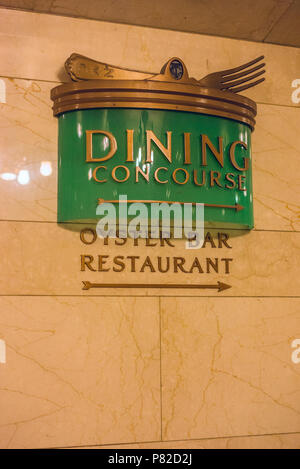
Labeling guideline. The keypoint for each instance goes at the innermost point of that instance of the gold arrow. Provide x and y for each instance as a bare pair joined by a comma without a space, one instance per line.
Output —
236,207
219,286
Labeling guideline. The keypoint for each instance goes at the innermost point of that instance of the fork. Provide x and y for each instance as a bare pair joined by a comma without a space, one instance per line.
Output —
228,80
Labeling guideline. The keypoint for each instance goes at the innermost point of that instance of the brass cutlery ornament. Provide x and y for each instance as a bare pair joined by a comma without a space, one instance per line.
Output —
228,80
234,80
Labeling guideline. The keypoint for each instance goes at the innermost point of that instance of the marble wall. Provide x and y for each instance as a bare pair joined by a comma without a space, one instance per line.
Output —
144,368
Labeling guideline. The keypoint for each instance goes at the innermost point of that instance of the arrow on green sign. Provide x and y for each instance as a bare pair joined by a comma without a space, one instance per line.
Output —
236,207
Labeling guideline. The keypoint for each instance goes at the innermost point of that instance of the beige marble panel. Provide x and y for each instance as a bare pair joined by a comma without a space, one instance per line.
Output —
276,156
44,258
288,441
227,367
255,18
28,148
287,29
28,142
79,371
35,46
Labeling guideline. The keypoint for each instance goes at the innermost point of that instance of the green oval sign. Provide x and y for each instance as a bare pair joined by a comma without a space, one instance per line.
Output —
154,155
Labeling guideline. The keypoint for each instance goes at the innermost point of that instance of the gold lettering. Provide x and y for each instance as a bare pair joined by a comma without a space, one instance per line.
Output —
223,238
208,239
218,154
241,180
86,261
95,174
227,260
196,264
113,173
101,262
91,232
160,265
178,264
129,145
89,145
232,156
156,175
121,242
133,258
167,151
195,178
229,177
166,240
118,261
148,243
138,170
214,178
186,175
214,265
147,263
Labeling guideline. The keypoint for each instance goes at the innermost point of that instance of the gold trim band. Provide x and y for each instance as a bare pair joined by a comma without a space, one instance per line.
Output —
139,94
